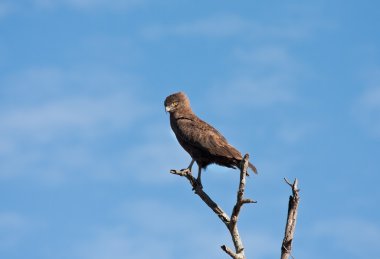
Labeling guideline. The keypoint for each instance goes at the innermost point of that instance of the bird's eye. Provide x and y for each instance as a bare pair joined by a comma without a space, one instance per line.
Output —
175,103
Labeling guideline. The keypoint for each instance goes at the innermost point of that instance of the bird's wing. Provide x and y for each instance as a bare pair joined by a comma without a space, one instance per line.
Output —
203,136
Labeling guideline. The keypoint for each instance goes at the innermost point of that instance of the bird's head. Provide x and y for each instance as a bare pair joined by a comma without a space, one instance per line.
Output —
176,102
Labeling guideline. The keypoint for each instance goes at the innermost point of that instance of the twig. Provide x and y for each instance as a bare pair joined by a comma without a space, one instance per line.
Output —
286,247
231,223
199,191
228,251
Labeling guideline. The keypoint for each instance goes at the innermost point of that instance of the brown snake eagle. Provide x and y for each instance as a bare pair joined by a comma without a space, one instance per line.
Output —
202,141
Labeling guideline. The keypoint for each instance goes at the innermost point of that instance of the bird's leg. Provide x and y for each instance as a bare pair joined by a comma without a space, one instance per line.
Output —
199,182
191,165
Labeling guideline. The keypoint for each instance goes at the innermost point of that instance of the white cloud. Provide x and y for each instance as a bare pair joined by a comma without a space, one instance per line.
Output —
293,133
262,245
11,220
121,242
13,227
214,26
366,107
88,4
45,103
194,233
269,56
166,231
230,25
117,243
284,164
81,115
357,237
265,77
148,212
160,230
250,92
51,119
156,156
367,110
5,9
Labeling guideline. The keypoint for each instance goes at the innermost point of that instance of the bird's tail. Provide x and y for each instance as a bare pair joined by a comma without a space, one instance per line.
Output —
252,167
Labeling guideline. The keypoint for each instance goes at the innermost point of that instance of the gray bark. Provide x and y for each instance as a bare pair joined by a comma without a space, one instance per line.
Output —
291,221
229,222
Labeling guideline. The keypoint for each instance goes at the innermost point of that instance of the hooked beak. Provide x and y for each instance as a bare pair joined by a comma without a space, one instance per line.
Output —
167,108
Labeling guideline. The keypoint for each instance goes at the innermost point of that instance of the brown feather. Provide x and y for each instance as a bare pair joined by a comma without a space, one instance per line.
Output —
202,141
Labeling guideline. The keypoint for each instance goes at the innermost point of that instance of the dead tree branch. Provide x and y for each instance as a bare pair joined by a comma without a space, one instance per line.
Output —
286,247
199,191
230,222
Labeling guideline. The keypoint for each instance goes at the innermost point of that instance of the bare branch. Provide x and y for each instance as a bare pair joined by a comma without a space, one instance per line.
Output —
286,247
229,251
231,223
239,248
199,191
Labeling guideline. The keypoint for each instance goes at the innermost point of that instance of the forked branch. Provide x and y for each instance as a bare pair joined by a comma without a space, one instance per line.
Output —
230,222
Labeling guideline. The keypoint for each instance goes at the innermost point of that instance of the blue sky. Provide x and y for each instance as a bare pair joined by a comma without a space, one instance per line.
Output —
86,147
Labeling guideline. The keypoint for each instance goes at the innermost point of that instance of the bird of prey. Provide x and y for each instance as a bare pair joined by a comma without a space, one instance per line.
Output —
203,142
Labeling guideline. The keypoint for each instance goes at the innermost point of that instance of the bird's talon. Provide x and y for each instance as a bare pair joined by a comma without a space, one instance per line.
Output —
185,170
